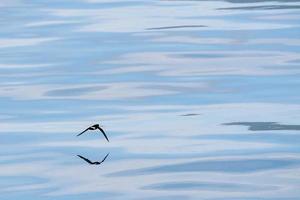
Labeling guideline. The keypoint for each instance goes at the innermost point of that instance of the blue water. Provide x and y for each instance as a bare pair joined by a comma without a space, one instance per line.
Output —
200,99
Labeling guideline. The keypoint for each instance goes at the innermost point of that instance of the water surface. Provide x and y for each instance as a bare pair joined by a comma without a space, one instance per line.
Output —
200,99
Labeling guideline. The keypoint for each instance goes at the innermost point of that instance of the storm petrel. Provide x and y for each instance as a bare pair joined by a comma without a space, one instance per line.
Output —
94,127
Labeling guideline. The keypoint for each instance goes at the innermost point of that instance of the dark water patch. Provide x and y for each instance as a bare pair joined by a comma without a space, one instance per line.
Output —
176,27
224,166
265,126
190,115
207,186
266,7
297,61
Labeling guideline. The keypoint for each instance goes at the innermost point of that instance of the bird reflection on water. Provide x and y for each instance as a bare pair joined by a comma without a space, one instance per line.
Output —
91,162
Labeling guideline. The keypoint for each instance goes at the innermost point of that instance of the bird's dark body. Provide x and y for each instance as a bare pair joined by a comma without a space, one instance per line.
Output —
95,127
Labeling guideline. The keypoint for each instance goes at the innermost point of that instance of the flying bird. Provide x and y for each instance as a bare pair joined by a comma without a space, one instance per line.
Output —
94,127
93,163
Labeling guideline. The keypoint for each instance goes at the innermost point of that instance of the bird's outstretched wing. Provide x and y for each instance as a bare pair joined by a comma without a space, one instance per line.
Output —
103,134
104,158
83,132
87,160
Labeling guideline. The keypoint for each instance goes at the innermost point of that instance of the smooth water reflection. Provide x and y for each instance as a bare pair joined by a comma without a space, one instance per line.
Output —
266,126
199,99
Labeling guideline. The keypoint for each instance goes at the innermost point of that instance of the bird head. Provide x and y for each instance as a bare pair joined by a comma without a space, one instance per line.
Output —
97,125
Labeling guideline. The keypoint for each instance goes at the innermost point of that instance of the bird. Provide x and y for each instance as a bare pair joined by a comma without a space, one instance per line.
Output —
93,163
94,127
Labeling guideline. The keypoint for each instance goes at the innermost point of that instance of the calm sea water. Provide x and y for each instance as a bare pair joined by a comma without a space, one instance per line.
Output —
200,99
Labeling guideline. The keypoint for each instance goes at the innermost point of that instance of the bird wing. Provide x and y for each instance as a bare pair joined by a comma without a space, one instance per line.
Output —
104,158
87,160
83,132
103,134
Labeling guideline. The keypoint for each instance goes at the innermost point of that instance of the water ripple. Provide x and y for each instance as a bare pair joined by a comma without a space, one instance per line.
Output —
226,166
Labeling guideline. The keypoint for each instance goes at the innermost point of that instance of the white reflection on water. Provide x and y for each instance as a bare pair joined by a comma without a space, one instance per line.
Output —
17,42
209,63
199,99
98,91
156,14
